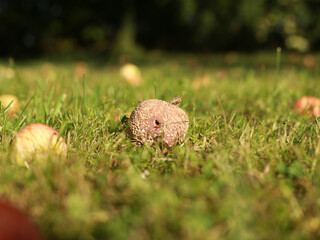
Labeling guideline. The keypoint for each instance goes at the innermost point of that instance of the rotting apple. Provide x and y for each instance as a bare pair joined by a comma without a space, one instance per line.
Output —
155,120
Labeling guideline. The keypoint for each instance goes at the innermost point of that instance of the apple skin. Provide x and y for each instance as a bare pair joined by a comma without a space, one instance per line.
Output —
14,107
36,140
15,225
132,74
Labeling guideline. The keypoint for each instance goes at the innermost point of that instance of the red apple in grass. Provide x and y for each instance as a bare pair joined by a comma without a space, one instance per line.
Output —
308,104
15,225
155,121
36,140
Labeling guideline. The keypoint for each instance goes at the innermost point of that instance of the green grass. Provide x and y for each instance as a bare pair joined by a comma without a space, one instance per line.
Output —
248,169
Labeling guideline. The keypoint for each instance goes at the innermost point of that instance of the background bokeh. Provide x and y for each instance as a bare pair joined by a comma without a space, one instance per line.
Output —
47,27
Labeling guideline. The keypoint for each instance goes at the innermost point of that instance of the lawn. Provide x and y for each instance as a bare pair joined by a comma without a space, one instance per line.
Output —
247,170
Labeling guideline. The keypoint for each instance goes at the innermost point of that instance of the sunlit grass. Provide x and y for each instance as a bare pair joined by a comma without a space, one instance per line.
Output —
248,169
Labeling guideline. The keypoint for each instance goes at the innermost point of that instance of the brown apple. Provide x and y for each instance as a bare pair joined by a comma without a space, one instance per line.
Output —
155,120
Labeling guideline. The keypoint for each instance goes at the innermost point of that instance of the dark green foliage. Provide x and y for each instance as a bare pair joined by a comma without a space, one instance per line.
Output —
103,28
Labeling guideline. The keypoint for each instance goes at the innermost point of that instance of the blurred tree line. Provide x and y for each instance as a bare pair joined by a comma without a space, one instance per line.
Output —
53,27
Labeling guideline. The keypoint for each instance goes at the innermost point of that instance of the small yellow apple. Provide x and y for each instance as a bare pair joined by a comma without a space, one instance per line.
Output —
200,82
37,140
5,102
132,74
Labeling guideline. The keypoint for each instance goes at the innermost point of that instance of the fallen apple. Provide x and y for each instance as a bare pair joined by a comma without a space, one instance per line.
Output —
11,101
132,74
200,82
308,104
15,225
36,140
155,120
